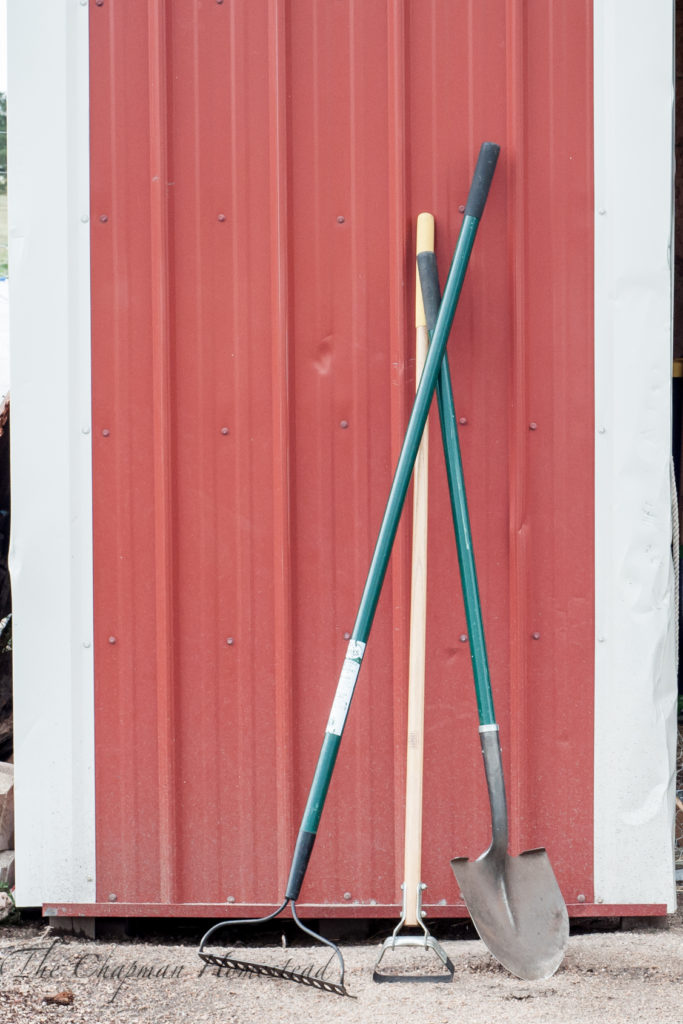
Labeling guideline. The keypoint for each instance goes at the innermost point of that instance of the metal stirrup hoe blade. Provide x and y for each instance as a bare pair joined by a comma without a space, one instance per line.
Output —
424,941
515,902
354,656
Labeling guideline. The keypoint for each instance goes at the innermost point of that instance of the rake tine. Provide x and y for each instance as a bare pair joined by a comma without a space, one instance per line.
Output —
314,978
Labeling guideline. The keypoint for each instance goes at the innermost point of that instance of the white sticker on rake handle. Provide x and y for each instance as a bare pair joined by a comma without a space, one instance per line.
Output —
345,687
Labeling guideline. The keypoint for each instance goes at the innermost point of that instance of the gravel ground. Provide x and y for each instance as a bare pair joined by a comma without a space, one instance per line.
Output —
616,977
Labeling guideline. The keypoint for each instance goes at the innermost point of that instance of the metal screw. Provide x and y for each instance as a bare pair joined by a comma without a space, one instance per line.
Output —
221,217
340,220
462,420
581,898
224,430
85,430
85,218
344,424
347,636
533,426
86,643
230,641
113,897
463,638
599,899
105,432
347,895
602,212
112,639
535,636
423,886
461,209
99,3
231,899
104,218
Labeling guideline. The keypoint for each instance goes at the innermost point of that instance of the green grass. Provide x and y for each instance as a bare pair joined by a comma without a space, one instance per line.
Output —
3,235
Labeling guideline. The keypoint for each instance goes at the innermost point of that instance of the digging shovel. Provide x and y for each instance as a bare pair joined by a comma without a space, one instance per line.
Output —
515,902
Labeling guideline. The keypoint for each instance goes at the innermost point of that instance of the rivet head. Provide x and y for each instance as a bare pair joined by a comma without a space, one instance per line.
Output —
602,430
463,638
533,426
344,424
347,636
113,897
535,636
85,218
221,217
461,209
462,421
85,430
230,641
112,639
105,432
104,219
581,898
340,220
99,3
599,899
347,895
224,430
230,899
86,644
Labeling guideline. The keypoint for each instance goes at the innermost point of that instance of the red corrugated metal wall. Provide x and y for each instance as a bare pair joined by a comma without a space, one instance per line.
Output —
256,174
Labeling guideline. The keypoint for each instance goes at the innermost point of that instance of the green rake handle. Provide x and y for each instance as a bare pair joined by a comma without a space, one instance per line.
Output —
476,201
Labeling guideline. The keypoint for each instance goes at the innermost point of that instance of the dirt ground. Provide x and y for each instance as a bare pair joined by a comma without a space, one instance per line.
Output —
613,976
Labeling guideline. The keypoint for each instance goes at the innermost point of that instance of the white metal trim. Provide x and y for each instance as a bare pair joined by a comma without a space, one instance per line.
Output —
51,543
635,669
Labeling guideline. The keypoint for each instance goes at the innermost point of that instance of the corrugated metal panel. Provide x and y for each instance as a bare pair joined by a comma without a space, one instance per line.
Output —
256,174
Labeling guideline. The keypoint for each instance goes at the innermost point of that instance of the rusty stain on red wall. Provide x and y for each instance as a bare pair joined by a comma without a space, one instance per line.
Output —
257,170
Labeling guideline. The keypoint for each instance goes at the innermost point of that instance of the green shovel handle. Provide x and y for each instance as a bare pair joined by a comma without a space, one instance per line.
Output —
429,283
481,181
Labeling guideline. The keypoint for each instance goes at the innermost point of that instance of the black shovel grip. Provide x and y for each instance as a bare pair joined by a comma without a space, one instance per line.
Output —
429,285
481,182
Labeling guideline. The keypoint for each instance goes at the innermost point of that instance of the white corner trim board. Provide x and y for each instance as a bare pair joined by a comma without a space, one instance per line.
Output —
635,661
51,543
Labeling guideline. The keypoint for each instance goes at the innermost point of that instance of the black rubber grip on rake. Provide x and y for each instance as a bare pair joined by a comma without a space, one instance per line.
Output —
302,855
481,182
429,284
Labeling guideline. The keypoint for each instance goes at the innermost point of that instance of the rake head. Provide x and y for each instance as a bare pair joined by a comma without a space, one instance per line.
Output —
320,977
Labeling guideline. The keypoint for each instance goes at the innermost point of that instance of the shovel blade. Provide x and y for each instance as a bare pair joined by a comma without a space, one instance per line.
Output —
517,908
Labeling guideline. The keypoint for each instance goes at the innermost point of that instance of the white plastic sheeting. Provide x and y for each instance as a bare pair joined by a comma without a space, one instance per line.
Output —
635,666
51,544
4,337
